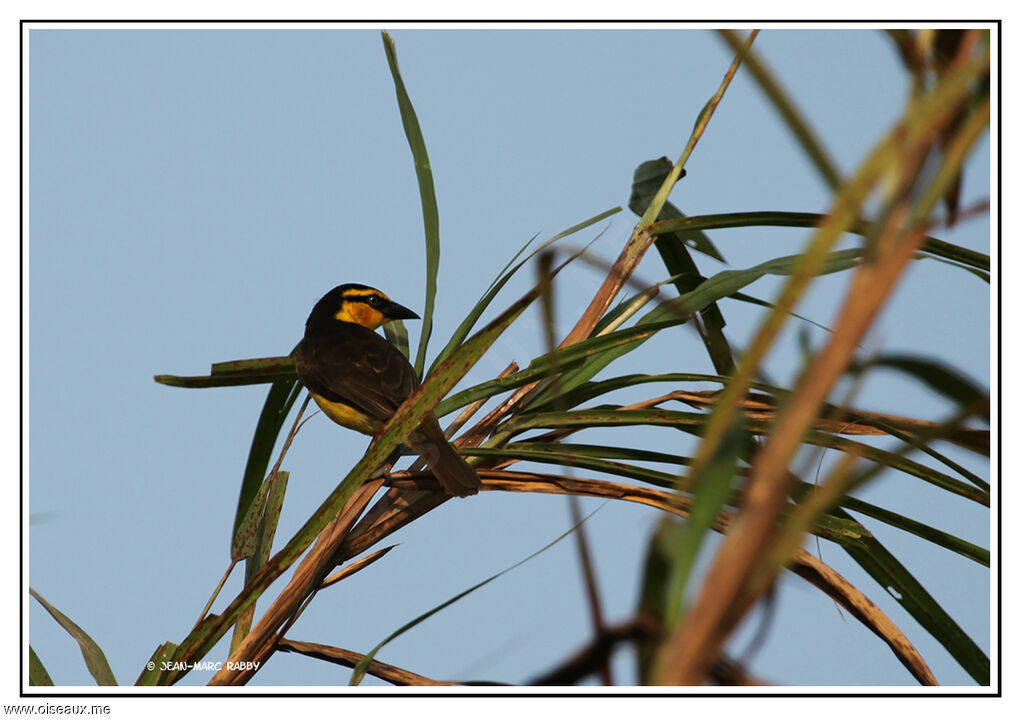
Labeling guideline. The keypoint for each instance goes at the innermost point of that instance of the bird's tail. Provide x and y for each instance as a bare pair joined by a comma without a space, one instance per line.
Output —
451,470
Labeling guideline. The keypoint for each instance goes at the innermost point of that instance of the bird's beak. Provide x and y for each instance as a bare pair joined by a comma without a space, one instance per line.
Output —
394,311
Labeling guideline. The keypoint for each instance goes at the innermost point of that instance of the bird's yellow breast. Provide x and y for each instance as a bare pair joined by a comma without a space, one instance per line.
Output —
348,416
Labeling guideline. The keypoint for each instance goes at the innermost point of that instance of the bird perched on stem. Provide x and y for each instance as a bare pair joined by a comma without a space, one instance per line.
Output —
359,379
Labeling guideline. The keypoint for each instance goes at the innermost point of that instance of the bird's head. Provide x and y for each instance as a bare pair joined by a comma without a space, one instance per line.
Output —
358,304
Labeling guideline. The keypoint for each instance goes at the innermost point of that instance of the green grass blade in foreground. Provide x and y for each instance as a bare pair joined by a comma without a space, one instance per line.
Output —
95,660
428,200
654,583
908,592
467,325
711,491
202,639
360,669
775,218
37,675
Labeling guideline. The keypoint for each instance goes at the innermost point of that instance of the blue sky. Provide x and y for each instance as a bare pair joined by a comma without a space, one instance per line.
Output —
194,192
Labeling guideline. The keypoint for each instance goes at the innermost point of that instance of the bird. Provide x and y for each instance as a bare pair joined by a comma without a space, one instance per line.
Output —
359,379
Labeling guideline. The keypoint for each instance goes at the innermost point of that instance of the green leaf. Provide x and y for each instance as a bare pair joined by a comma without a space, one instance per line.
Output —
153,671
398,336
37,674
653,602
774,218
908,592
711,491
246,538
268,525
236,372
431,226
926,532
95,660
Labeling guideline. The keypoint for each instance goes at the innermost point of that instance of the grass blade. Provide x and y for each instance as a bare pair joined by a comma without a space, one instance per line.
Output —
711,492
95,660
37,674
398,336
908,592
958,255
428,200
237,372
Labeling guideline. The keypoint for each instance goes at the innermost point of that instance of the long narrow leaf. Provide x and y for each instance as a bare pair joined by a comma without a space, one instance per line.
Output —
711,491
908,592
95,660
776,218
37,674
428,200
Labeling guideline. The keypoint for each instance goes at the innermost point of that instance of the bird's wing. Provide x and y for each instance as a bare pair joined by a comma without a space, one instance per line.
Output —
356,366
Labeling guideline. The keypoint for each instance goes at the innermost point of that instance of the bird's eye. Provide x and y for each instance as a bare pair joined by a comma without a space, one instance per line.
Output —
374,301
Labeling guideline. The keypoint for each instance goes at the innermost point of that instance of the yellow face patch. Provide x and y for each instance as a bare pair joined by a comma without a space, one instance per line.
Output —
356,308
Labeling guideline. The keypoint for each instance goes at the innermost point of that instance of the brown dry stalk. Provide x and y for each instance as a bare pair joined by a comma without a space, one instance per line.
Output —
695,644
348,658
803,563
739,573
259,643
353,568
870,615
